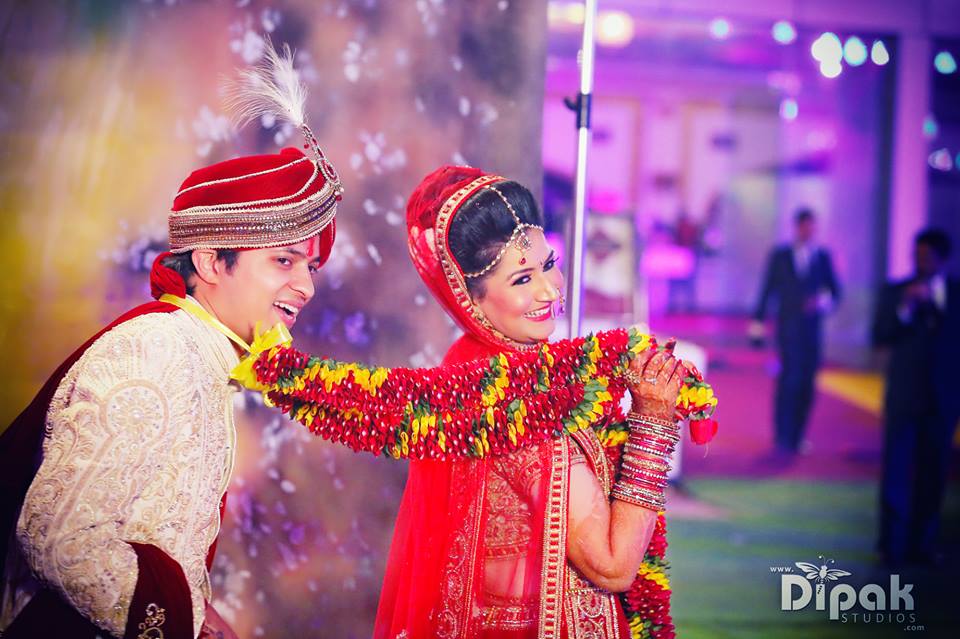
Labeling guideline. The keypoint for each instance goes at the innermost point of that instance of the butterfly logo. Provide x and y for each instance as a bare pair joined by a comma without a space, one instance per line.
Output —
823,572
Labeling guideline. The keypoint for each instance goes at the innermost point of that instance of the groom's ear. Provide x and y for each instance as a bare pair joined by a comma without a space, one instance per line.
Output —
209,269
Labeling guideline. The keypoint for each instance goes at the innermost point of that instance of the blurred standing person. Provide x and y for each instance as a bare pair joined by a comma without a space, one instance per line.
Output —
801,278
683,289
916,321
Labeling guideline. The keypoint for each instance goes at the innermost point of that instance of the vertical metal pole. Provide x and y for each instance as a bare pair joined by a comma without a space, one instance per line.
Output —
580,191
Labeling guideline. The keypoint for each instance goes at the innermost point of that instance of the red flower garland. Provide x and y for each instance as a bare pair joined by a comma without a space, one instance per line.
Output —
463,410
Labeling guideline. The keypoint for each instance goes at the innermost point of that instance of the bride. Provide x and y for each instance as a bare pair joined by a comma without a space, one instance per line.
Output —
533,543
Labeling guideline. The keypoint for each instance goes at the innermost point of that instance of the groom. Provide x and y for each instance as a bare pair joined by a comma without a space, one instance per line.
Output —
115,476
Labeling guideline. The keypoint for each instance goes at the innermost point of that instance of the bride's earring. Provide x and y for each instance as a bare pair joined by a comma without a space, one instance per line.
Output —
562,302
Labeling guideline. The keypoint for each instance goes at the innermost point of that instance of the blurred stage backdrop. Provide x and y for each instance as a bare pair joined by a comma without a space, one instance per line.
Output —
709,133
106,106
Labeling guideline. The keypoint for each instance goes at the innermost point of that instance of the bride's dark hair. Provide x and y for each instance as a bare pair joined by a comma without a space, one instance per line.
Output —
483,225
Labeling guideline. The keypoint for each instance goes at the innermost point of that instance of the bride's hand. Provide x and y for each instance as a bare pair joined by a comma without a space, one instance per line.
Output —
654,380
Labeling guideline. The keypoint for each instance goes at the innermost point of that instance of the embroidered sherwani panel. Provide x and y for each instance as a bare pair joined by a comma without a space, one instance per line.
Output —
139,447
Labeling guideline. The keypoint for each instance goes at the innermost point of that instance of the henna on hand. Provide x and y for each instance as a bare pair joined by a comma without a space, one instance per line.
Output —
655,382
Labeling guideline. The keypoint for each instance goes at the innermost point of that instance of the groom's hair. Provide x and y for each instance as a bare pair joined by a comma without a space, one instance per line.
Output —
182,263
483,225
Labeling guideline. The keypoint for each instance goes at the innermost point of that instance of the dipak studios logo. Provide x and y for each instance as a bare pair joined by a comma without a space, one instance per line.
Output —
821,585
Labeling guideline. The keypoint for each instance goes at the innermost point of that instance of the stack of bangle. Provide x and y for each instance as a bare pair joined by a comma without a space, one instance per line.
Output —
646,461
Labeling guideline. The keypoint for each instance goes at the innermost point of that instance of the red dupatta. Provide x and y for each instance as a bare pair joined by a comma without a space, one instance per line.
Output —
479,546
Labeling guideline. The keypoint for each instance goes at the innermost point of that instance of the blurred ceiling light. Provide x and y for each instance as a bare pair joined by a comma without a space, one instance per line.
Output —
784,82
879,53
783,32
930,127
720,28
614,28
789,109
565,14
854,51
830,69
827,48
941,160
945,63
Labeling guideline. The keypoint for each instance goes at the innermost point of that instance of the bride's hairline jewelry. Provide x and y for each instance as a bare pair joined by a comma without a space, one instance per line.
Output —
522,245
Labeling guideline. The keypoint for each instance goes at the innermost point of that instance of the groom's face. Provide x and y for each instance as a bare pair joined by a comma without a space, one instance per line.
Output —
267,285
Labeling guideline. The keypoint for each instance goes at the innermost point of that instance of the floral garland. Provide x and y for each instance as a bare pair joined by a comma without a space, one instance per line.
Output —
457,411
646,603
485,407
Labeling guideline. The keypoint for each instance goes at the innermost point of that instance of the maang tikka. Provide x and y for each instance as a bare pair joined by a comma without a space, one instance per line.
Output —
518,239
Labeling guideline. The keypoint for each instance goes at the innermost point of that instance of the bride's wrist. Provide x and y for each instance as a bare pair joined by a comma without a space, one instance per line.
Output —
654,410
645,462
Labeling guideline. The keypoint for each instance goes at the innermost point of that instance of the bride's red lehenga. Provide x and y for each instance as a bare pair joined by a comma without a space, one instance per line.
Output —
479,547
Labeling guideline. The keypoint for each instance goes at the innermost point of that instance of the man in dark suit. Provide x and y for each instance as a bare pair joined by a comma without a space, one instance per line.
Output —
801,279
917,322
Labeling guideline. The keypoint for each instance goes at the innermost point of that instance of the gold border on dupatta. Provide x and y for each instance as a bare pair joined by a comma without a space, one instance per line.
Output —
553,570
456,602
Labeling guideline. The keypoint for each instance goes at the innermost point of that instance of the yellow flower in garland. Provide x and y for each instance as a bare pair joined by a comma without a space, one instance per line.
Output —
613,437
481,444
595,353
654,574
493,391
518,420
698,396
415,430
642,343
380,375
362,377
547,355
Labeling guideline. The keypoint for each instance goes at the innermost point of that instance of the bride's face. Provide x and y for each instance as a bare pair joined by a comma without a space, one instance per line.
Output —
521,299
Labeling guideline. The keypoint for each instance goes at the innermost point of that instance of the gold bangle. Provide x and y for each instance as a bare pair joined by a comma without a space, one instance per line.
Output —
650,420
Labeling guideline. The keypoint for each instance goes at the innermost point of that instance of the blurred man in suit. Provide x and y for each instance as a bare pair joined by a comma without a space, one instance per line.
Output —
917,322
800,277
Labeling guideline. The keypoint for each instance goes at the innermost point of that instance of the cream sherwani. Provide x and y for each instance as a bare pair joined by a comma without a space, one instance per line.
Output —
139,446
